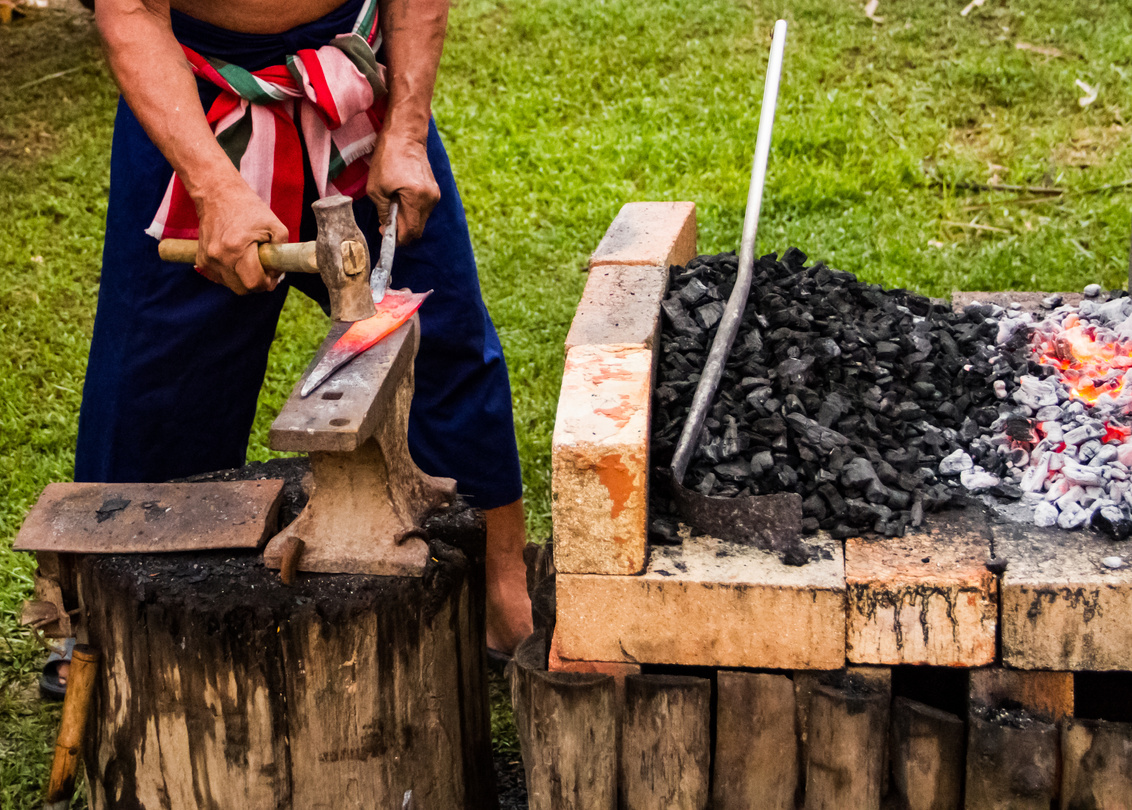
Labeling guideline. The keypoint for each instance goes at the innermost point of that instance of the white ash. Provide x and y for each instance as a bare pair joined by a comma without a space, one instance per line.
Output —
1064,430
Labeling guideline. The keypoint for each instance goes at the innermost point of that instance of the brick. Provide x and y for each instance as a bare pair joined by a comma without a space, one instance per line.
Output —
650,233
599,465
617,669
1061,608
620,305
709,603
1048,695
926,598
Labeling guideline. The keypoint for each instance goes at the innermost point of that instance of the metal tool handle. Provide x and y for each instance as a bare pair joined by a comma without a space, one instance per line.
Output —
293,257
733,312
383,270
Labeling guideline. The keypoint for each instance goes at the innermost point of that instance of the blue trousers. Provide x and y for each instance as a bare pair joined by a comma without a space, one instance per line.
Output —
176,361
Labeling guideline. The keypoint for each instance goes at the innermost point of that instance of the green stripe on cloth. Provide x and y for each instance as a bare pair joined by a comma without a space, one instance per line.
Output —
365,18
234,139
244,84
336,165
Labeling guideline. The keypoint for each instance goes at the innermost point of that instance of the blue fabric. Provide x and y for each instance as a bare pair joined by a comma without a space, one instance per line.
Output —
176,362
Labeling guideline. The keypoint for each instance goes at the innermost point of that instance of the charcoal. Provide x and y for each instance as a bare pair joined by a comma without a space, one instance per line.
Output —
840,390
1112,521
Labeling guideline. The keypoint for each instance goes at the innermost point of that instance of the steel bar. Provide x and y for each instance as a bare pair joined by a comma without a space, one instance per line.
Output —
733,312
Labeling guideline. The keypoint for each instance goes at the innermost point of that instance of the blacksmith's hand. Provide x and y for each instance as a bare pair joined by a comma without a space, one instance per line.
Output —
400,168
233,223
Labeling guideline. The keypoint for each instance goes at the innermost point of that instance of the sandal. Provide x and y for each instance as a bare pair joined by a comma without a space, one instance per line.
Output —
52,685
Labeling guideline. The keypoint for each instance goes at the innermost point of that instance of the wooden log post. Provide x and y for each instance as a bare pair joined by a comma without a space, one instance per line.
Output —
1012,761
567,724
845,752
222,687
926,747
665,743
756,764
1096,760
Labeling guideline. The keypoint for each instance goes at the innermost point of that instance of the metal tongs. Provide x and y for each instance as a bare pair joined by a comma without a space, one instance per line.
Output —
383,270
768,521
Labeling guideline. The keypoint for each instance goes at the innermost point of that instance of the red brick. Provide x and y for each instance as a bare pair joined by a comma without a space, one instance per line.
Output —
650,233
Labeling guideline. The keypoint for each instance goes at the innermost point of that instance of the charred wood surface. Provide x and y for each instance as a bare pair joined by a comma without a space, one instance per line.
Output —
224,688
1012,761
567,725
926,749
1097,765
845,750
755,742
665,743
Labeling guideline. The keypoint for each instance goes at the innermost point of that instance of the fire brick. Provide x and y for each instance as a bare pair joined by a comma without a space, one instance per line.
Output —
1063,608
709,603
649,233
600,461
621,305
926,598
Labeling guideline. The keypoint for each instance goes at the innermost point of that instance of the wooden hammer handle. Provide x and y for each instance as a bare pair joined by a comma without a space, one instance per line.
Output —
293,257
76,708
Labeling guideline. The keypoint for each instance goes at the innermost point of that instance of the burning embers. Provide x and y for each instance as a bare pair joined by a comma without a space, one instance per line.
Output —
1077,417
878,405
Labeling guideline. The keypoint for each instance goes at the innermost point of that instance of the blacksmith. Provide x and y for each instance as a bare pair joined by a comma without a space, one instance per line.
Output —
235,115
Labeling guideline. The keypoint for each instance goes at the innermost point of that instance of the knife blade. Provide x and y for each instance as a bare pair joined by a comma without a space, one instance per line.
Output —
396,308
383,270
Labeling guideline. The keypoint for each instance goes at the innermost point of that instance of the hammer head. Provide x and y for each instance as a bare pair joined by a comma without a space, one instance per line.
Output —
343,259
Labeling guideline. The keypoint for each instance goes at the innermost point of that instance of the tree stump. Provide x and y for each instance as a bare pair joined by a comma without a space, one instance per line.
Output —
224,688
927,756
1012,761
1097,760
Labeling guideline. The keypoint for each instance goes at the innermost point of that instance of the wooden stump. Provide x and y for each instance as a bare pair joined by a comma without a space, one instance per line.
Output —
223,688
1012,761
665,743
845,752
756,764
927,756
567,724
1097,761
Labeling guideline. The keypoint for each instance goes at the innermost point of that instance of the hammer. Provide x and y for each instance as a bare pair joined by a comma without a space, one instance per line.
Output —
339,254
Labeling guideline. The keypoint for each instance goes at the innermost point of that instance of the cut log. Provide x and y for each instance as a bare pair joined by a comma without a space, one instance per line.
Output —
1096,760
755,742
845,752
225,688
1012,761
567,724
926,747
665,743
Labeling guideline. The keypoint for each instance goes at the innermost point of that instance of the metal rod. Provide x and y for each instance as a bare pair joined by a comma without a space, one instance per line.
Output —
1130,268
733,312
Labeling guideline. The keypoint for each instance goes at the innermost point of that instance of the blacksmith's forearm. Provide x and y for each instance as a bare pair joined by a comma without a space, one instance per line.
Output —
158,84
413,32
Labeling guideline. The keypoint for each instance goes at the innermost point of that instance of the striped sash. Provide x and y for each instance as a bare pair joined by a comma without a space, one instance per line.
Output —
335,94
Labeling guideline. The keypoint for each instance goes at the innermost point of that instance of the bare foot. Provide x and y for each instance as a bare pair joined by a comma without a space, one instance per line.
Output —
508,604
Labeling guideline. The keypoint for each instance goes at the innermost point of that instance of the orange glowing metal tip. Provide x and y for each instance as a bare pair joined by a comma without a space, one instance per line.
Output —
394,310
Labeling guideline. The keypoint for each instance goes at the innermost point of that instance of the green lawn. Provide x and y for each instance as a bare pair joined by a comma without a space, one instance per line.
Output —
556,112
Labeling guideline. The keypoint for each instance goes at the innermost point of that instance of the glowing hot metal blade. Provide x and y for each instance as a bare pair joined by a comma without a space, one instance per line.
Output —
396,308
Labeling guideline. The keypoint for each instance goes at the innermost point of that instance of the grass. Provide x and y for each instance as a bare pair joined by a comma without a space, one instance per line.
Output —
556,112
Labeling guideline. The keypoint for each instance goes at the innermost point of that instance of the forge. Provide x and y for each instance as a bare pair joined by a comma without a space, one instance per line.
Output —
962,469
923,436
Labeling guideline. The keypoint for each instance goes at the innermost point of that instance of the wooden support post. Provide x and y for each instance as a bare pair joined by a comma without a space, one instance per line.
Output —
225,688
1096,760
567,724
848,732
665,743
926,747
755,742
1010,763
